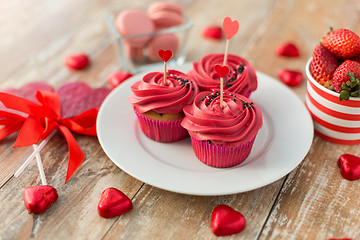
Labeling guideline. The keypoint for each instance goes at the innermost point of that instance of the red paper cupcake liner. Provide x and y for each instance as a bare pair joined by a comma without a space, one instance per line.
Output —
162,131
221,156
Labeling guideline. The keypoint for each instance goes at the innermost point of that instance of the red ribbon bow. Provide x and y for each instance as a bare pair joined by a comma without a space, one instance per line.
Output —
43,118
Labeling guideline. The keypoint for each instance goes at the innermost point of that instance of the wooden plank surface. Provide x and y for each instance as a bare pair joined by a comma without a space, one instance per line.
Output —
313,202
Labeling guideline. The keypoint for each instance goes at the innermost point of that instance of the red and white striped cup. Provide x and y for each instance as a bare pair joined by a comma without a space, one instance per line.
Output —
335,121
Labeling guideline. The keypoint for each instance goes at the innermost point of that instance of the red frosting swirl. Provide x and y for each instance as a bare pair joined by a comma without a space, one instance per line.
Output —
233,125
151,94
241,78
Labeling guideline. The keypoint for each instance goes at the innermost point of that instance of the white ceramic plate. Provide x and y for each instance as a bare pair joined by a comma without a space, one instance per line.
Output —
280,145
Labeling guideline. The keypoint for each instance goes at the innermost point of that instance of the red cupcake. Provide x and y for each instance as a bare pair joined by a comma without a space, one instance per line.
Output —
241,79
159,106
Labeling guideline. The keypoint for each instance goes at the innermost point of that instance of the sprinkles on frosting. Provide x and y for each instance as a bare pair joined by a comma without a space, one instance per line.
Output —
210,97
182,81
239,70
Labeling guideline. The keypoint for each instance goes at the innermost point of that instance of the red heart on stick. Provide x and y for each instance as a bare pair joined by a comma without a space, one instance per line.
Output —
230,27
349,166
221,70
113,203
226,221
39,198
165,54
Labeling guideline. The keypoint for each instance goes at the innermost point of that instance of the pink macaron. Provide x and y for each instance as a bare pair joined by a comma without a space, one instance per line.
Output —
162,41
166,14
134,22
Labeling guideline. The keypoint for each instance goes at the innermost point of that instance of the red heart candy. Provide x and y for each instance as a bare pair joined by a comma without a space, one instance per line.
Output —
221,70
349,166
113,203
226,221
291,78
116,78
214,32
230,27
39,198
287,50
77,62
165,54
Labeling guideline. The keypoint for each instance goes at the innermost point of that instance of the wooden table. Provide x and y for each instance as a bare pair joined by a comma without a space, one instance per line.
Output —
312,202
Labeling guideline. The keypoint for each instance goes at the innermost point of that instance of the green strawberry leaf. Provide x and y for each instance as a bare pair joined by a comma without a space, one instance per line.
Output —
352,77
354,94
344,94
344,86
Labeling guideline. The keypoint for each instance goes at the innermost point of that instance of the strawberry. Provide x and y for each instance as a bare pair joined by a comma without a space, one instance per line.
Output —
214,32
342,43
322,66
356,58
287,50
346,79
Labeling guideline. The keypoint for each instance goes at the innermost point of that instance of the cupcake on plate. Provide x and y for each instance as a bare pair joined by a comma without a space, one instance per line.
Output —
158,106
241,78
222,137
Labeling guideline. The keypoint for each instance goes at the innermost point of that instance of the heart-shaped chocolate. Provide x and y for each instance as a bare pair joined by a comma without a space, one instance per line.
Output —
165,54
113,203
77,61
39,198
116,78
230,27
221,70
349,166
290,77
226,221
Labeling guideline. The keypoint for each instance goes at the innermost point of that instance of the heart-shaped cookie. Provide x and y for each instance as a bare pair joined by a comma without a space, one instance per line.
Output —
230,27
39,198
113,203
349,166
221,70
165,54
226,221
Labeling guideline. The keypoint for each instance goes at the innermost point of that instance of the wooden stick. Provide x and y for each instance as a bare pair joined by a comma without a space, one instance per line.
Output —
226,52
221,93
164,73
36,151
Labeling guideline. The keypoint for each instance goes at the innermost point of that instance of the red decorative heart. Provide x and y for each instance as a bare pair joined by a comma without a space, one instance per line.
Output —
287,50
78,61
113,203
29,90
165,54
349,166
78,97
116,78
226,221
230,27
39,198
75,97
291,78
221,70
213,32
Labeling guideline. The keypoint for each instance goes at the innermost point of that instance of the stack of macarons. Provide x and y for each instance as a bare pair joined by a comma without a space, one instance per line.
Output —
159,15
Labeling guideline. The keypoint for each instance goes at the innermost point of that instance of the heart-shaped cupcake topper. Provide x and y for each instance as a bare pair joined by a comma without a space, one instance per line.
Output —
222,71
165,55
230,29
